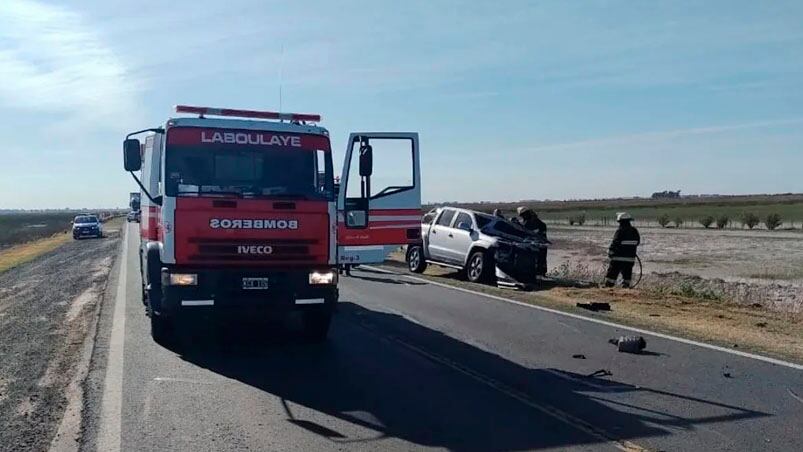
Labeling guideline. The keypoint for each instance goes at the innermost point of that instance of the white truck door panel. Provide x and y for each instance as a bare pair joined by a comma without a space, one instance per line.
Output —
379,203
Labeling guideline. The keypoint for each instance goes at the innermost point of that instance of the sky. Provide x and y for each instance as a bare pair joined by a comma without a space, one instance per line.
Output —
512,100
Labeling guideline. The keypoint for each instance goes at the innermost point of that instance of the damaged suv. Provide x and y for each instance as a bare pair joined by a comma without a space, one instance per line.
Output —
485,247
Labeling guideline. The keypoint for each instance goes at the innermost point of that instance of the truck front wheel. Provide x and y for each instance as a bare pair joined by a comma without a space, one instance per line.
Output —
316,324
162,329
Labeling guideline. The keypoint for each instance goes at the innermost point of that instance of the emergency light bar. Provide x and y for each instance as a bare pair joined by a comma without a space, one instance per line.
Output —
247,113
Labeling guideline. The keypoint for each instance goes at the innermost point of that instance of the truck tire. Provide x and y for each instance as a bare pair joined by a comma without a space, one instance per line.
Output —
153,279
416,262
479,268
162,330
316,324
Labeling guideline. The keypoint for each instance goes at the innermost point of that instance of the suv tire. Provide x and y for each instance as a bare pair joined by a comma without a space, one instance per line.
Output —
415,259
479,268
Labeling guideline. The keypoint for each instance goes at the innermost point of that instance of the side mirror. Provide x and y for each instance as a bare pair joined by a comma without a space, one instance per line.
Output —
366,159
464,226
132,158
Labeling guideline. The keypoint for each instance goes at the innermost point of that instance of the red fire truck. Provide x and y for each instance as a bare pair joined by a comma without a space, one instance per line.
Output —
240,213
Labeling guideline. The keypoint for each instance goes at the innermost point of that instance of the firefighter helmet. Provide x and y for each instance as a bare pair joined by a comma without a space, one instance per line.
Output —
623,216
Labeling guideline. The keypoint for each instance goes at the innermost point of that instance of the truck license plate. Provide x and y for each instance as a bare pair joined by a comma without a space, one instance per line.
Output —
255,283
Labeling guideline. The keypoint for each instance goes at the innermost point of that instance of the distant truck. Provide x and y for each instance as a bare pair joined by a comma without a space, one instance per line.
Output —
240,213
134,201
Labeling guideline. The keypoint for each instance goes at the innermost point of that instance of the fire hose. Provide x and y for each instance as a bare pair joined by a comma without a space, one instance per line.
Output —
640,272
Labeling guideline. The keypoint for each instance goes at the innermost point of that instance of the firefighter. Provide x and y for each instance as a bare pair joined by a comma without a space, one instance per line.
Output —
530,221
346,268
622,252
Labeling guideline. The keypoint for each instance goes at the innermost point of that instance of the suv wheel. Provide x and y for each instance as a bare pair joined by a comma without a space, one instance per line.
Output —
415,259
479,268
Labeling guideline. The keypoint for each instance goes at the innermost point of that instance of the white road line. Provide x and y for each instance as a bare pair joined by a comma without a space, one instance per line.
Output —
109,436
766,359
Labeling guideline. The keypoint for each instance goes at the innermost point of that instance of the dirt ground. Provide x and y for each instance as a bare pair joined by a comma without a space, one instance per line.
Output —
764,267
47,308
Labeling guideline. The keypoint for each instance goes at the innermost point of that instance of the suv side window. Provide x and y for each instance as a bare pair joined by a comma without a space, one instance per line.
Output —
463,217
446,218
429,217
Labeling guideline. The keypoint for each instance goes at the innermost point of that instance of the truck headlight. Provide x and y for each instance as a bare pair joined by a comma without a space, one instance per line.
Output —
322,277
183,279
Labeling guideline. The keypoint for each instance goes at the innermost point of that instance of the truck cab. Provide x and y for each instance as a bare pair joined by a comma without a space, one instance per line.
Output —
239,213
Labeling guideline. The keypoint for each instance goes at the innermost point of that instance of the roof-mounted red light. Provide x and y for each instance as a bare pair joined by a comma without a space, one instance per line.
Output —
247,113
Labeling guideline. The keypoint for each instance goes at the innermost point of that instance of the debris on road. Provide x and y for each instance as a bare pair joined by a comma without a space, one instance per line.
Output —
793,394
579,356
595,306
629,344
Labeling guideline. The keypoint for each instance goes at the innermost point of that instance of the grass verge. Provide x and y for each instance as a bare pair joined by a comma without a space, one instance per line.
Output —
19,254
25,252
711,320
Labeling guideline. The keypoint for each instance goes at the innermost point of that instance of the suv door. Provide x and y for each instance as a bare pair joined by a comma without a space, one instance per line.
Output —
438,247
379,201
461,237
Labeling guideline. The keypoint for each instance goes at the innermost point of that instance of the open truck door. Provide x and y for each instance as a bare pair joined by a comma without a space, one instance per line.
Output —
379,201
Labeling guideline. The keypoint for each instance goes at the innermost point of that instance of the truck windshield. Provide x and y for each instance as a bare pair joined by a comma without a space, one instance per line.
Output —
85,219
248,171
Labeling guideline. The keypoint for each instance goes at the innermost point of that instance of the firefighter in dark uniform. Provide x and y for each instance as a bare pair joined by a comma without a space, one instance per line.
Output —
622,252
530,221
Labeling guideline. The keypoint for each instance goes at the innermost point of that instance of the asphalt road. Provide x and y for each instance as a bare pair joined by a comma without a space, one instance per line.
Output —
411,365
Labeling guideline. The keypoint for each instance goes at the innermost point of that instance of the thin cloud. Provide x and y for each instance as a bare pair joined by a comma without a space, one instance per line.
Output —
51,60
665,135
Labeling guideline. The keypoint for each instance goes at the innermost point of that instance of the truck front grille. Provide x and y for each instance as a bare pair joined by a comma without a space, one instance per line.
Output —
252,250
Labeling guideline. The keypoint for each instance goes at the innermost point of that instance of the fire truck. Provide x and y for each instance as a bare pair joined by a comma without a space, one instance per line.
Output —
240,214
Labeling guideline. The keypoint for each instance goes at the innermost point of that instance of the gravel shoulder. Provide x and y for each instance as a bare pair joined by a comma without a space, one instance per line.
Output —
47,308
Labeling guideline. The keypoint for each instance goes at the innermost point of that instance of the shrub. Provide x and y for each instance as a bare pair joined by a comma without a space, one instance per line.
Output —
750,220
772,221
722,221
663,220
678,222
707,221
578,220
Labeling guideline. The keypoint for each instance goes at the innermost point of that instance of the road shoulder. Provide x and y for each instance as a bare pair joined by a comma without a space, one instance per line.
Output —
93,384
731,327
